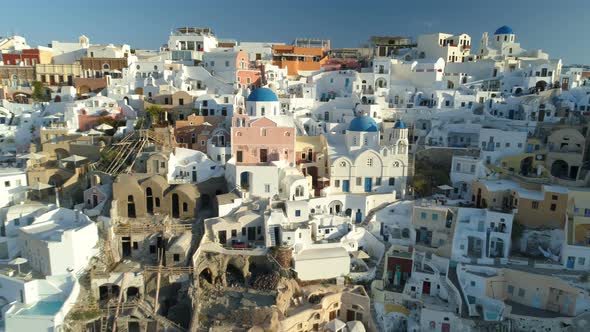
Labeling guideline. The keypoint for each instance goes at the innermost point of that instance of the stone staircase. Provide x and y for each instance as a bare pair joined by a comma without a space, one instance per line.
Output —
372,213
452,276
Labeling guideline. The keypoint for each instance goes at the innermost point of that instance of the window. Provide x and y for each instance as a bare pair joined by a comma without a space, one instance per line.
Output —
472,168
7,183
337,183
521,292
180,101
297,213
434,216
510,289
227,63
243,231
184,207
176,257
423,215
267,188
377,181
553,207
234,233
370,162
392,181
259,230
554,197
581,260
535,205
359,181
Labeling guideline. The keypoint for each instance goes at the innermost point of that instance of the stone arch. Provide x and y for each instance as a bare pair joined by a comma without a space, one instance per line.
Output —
61,153
108,292
335,207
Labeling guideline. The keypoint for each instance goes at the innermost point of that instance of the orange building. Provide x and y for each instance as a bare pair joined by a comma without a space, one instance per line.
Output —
301,57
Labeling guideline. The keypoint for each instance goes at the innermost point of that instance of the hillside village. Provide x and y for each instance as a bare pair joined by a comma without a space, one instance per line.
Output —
429,183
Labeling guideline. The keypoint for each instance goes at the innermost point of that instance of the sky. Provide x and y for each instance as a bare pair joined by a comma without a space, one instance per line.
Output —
561,28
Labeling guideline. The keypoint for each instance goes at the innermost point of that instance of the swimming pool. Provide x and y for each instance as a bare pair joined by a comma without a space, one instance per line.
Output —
42,308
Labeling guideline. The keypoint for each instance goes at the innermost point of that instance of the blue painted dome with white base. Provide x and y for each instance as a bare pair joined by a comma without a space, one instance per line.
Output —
262,94
504,30
399,124
363,123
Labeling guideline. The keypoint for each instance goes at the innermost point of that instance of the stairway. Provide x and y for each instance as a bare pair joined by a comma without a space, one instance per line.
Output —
372,212
452,276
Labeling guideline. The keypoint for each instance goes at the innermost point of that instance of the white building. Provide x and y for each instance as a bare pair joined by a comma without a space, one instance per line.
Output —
465,170
359,164
191,166
446,46
481,236
13,182
59,241
496,144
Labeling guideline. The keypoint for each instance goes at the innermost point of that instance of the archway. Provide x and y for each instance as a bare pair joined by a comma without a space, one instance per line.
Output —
381,83
175,206
206,275
335,207
132,293
560,169
541,85
107,292
61,154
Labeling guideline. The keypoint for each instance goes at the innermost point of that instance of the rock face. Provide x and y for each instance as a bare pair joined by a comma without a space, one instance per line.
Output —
284,256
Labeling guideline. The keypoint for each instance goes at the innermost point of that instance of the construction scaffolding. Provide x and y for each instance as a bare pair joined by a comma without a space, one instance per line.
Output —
125,152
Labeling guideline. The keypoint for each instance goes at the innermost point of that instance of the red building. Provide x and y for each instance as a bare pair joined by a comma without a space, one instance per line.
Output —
29,57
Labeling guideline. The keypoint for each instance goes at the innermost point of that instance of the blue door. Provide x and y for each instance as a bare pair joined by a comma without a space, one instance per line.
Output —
346,186
570,262
368,184
359,216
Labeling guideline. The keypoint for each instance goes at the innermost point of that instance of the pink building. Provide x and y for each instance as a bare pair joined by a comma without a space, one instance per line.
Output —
88,121
261,141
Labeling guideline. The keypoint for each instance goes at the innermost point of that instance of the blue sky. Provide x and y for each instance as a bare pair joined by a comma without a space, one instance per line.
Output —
558,27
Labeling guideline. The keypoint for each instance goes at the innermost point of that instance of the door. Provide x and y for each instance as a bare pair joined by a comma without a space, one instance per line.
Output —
251,233
368,185
445,327
94,200
359,216
426,287
263,155
175,206
222,237
194,176
346,186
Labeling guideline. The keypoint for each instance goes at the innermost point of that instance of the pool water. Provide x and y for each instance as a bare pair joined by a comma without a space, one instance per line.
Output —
42,308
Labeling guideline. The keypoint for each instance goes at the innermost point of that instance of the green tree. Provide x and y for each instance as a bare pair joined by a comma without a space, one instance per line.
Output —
40,92
156,113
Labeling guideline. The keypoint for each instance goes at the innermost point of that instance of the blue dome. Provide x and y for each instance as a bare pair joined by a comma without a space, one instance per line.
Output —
262,94
504,30
399,124
363,123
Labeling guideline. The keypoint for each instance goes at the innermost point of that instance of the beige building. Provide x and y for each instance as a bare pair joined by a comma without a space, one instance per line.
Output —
435,227
534,206
52,74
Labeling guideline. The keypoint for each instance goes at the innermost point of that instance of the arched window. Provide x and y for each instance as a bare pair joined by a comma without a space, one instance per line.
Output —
262,111
106,66
299,191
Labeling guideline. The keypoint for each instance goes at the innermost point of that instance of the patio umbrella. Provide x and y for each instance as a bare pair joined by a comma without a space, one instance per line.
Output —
40,186
92,133
32,156
335,325
75,159
18,262
104,127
